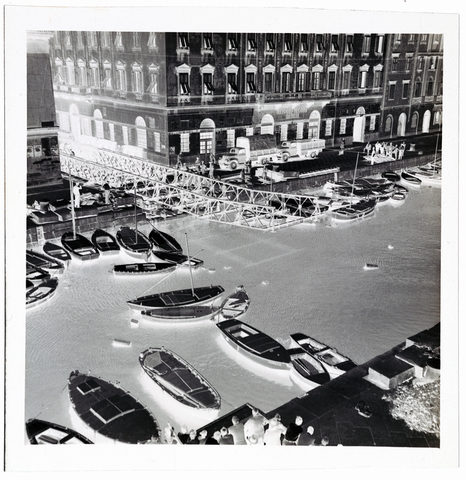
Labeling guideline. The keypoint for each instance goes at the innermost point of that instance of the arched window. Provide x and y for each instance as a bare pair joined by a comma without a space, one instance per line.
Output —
99,124
207,136
141,132
314,124
430,87
418,87
414,120
388,124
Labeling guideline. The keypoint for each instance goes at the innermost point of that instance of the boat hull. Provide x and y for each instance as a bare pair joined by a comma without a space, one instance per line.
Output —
179,379
111,411
308,369
79,246
41,293
362,209
164,242
254,344
104,242
179,259
134,242
41,432
56,251
38,260
177,298
148,268
334,362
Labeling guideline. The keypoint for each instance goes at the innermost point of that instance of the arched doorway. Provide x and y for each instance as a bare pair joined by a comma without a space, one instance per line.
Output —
314,124
426,122
267,124
206,137
414,121
359,125
75,122
141,132
401,130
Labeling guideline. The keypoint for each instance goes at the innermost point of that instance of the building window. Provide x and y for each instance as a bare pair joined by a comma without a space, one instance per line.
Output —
372,123
82,73
118,42
409,62
270,43
120,83
232,43
106,39
206,142
349,44
315,80
319,43
286,82
420,63
137,78
342,126
335,46
230,138
377,78
125,135
70,72
207,41
430,87
394,63
67,39
107,81
379,45
424,38
141,134
440,87
92,39
436,42
331,80
99,124
152,41
284,132
391,90
111,129
268,82
232,85
328,127
397,37
414,120
388,125
433,63
366,45
184,83
183,41
252,45
303,81
184,142
346,79
363,76
154,84
405,92
418,88
157,141
436,120
79,39
303,45
299,130
250,82
207,87
95,77
287,47
136,41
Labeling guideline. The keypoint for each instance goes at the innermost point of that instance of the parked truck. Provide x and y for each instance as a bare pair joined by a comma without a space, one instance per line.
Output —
300,149
258,150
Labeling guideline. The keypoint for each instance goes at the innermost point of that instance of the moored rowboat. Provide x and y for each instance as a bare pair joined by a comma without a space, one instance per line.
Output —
41,432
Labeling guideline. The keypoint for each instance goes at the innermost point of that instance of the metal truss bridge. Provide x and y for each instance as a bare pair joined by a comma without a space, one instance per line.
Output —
184,191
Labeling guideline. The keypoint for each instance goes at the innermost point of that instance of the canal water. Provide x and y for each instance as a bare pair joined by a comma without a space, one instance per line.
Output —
307,278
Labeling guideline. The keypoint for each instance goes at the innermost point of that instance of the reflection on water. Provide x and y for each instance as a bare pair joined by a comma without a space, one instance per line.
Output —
307,279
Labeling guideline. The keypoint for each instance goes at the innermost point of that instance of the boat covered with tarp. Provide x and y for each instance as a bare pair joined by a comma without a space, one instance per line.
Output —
110,410
254,343
40,432
178,378
177,298
133,241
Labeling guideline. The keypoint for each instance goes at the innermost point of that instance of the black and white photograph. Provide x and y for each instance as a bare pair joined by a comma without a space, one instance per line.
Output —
241,229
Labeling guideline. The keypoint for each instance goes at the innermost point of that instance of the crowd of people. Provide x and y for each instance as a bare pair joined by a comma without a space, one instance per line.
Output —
257,430
384,149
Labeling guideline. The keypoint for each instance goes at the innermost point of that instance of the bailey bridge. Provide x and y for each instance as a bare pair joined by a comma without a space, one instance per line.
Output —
184,191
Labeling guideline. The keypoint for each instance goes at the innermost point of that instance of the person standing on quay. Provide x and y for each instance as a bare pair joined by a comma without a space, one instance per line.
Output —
254,427
275,431
237,430
77,195
293,431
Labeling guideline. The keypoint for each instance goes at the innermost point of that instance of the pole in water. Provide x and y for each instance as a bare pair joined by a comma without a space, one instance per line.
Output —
354,179
189,263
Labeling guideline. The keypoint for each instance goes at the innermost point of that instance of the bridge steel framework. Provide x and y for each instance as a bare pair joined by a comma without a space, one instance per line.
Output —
184,191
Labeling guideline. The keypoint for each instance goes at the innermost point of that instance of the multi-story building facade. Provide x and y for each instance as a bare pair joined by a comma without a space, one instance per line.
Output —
159,95
412,102
43,161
